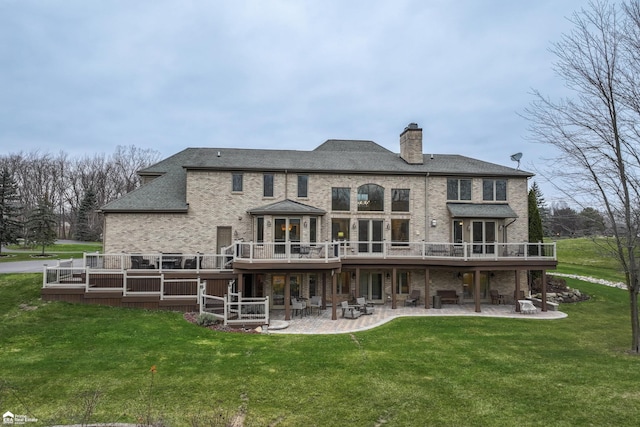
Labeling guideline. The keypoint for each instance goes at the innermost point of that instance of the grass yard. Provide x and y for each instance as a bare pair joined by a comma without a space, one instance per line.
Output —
588,257
57,251
65,363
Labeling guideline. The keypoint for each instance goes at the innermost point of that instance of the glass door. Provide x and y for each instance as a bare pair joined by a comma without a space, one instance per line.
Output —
468,285
287,231
370,233
277,290
484,237
371,286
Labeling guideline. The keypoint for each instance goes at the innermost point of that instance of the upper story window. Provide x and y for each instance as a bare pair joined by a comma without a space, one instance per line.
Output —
400,200
370,197
399,231
303,185
458,189
340,198
236,182
267,187
494,189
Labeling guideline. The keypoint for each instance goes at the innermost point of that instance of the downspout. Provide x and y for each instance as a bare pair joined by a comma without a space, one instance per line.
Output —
504,231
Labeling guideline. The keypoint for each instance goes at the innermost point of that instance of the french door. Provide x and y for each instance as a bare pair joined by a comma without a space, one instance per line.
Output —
287,230
370,235
484,237
371,285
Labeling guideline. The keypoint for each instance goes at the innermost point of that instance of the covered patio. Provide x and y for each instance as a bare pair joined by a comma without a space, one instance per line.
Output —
313,323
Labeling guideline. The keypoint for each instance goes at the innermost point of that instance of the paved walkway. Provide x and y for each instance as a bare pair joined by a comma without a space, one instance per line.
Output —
322,324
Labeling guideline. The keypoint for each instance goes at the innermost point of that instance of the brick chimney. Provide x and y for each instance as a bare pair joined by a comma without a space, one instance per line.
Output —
411,144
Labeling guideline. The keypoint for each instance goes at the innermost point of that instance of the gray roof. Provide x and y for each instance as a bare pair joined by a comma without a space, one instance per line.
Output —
477,210
167,193
287,207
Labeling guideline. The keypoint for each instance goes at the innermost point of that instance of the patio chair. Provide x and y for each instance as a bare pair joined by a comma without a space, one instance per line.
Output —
298,306
413,298
315,302
138,262
350,311
496,298
364,306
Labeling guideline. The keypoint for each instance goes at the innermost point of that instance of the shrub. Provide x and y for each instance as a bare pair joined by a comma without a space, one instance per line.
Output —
206,319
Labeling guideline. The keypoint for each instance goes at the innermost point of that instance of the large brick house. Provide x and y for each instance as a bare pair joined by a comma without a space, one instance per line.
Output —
349,218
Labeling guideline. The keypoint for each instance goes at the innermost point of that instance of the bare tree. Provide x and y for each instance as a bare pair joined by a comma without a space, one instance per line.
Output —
596,128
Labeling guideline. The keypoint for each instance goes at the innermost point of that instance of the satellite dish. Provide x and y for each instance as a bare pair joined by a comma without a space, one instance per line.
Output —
516,158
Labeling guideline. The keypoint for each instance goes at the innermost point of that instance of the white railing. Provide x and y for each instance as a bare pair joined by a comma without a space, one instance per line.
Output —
287,251
234,309
334,251
104,280
158,261
322,252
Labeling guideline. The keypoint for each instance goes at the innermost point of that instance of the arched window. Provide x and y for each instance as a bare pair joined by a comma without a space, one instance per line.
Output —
370,197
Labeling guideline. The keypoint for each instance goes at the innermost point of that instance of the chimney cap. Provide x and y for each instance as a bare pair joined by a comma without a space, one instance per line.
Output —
412,126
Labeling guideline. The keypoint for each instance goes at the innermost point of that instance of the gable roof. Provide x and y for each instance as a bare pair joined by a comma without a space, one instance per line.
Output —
167,192
287,207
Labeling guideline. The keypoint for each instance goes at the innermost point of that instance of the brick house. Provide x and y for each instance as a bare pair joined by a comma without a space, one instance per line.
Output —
349,218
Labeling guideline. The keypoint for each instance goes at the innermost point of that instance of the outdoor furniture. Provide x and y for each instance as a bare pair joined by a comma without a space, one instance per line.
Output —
316,302
138,262
527,307
304,251
364,306
413,298
299,306
448,296
171,261
350,311
191,263
496,298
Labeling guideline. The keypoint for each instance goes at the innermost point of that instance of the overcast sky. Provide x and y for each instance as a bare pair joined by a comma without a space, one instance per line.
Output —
85,76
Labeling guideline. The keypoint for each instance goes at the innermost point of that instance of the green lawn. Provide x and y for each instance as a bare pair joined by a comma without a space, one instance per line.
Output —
57,251
588,257
419,371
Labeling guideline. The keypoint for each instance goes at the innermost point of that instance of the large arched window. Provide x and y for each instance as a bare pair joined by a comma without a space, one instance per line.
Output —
370,197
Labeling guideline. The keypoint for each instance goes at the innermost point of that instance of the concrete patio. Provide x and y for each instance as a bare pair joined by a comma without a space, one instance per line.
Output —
322,323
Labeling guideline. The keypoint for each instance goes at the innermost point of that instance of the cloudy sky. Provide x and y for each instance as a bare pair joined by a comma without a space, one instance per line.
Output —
85,76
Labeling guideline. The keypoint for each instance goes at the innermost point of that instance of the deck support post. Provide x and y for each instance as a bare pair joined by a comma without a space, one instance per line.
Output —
543,277
426,288
476,293
287,297
334,298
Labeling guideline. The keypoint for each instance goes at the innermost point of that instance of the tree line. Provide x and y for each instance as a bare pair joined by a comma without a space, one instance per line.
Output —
42,191
561,220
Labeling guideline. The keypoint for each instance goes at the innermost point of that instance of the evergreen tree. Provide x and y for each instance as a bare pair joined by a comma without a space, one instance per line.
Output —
9,209
543,210
41,224
535,221
84,229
